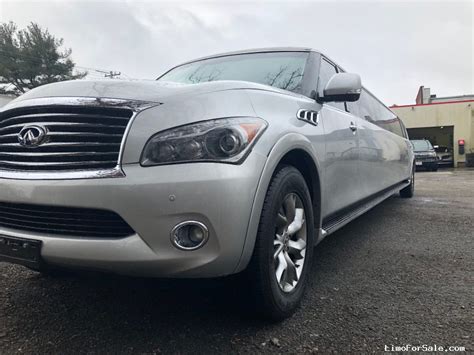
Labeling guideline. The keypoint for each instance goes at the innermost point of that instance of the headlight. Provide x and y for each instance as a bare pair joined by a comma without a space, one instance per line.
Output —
225,140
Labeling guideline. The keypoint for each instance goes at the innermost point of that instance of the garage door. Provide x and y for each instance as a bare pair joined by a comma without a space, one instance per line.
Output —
441,136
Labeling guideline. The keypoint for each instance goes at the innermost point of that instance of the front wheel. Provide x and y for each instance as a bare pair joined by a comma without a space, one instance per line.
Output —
281,261
54,272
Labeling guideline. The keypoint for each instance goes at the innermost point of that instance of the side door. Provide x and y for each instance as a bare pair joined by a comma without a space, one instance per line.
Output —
341,173
383,148
372,143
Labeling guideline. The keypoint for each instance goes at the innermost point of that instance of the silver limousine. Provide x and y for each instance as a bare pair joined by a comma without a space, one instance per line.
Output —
234,163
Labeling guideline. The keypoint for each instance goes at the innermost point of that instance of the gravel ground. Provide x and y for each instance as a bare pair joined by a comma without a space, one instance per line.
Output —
400,274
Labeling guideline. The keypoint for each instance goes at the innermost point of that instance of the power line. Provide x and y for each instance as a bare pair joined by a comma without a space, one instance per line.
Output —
100,70
109,74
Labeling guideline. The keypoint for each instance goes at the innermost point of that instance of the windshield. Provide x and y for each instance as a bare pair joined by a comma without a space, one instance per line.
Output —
421,145
283,70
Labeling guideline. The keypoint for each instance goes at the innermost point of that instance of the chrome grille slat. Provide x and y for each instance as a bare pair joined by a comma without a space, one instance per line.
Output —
55,154
61,118
59,144
40,112
65,159
67,221
77,138
58,164
20,163
70,125
83,134
6,136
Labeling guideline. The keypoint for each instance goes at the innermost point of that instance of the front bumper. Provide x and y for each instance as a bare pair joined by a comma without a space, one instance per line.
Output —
152,201
426,164
446,161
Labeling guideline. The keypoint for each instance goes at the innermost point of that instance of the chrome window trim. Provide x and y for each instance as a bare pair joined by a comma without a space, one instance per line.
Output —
134,105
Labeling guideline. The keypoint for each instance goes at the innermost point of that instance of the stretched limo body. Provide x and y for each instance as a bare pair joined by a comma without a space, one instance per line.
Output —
239,162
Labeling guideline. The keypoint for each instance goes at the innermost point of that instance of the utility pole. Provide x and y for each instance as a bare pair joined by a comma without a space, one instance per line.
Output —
109,74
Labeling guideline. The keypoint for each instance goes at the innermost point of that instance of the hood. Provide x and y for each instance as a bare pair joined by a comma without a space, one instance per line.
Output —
143,90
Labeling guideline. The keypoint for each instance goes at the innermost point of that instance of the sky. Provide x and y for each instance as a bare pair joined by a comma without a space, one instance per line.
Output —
395,46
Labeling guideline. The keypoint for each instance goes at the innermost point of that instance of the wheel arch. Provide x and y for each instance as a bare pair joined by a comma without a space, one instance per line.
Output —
292,149
302,160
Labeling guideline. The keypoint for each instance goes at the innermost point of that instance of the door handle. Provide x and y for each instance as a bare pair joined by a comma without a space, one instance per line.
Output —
353,127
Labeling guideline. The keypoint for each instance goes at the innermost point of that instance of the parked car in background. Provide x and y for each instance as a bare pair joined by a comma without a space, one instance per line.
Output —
445,155
425,155
239,162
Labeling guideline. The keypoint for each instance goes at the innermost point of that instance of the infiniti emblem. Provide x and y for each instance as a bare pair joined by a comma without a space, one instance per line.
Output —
31,136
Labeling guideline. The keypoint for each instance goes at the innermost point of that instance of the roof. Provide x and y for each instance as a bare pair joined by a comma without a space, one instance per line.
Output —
432,103
256,50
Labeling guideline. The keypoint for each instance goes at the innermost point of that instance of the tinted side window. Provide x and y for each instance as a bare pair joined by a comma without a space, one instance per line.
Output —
389,121
393,125
370,109
364,107
326,71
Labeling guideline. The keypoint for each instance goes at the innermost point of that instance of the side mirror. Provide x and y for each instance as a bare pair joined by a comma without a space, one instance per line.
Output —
343,87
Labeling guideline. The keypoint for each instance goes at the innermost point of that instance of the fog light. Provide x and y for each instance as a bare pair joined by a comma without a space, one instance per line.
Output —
189,235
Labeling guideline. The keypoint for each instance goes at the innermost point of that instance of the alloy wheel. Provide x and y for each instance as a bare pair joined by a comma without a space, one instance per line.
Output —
290,242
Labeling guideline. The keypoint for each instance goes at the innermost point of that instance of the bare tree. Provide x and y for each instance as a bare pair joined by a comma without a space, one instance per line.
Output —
272,78
281,79
287,84
199,75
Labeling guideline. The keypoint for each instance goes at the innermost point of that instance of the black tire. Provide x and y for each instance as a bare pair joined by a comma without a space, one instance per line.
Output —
434,169
54,272
267,296
409,191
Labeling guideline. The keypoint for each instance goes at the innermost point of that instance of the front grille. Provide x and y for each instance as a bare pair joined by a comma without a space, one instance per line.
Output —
426,158
66,221
77,138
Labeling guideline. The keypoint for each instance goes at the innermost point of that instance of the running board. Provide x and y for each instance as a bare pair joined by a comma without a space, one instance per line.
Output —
334,224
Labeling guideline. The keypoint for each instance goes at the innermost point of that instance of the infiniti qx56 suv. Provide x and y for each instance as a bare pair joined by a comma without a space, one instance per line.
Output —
234,163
